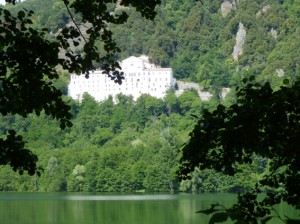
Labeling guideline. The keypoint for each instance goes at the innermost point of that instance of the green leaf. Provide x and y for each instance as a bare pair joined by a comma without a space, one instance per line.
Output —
252,78
211,210
62,125
293,221
12,132
218,217
286,82
76,43
265,220
21,15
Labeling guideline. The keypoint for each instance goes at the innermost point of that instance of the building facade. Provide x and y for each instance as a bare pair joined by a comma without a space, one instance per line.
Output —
141,77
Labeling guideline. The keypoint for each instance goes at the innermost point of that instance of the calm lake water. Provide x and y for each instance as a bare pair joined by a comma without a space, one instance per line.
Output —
107,208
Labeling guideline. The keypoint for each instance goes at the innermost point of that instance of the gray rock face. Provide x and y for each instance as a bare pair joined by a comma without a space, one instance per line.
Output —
228,5
226,8
280,72
264,9
240,40
274,33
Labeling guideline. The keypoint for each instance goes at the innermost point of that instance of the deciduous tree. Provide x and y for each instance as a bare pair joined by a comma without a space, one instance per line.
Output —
262,123
28,62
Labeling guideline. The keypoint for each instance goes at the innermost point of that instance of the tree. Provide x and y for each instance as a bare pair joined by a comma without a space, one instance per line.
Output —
262,123
29,58
27,66
54,180
145,107
189,102
77,178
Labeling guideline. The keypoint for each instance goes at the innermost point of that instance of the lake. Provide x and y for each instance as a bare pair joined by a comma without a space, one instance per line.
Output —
111,208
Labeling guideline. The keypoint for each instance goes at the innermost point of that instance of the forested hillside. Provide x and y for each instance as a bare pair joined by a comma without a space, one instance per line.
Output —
127,146
197,39
135,146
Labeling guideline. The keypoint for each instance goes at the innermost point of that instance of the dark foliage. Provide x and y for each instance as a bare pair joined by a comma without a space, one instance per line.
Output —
29,60
262,122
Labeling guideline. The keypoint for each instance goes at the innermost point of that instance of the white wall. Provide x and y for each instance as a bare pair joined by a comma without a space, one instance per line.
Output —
140,77
2,2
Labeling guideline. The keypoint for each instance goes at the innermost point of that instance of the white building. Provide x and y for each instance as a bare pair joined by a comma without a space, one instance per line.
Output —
140,77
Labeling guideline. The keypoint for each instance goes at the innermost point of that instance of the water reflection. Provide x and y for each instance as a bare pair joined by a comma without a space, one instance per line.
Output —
120,198
89,208
77,197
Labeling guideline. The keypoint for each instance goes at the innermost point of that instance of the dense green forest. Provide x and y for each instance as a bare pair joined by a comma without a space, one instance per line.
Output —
135,146
126,146
197,38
